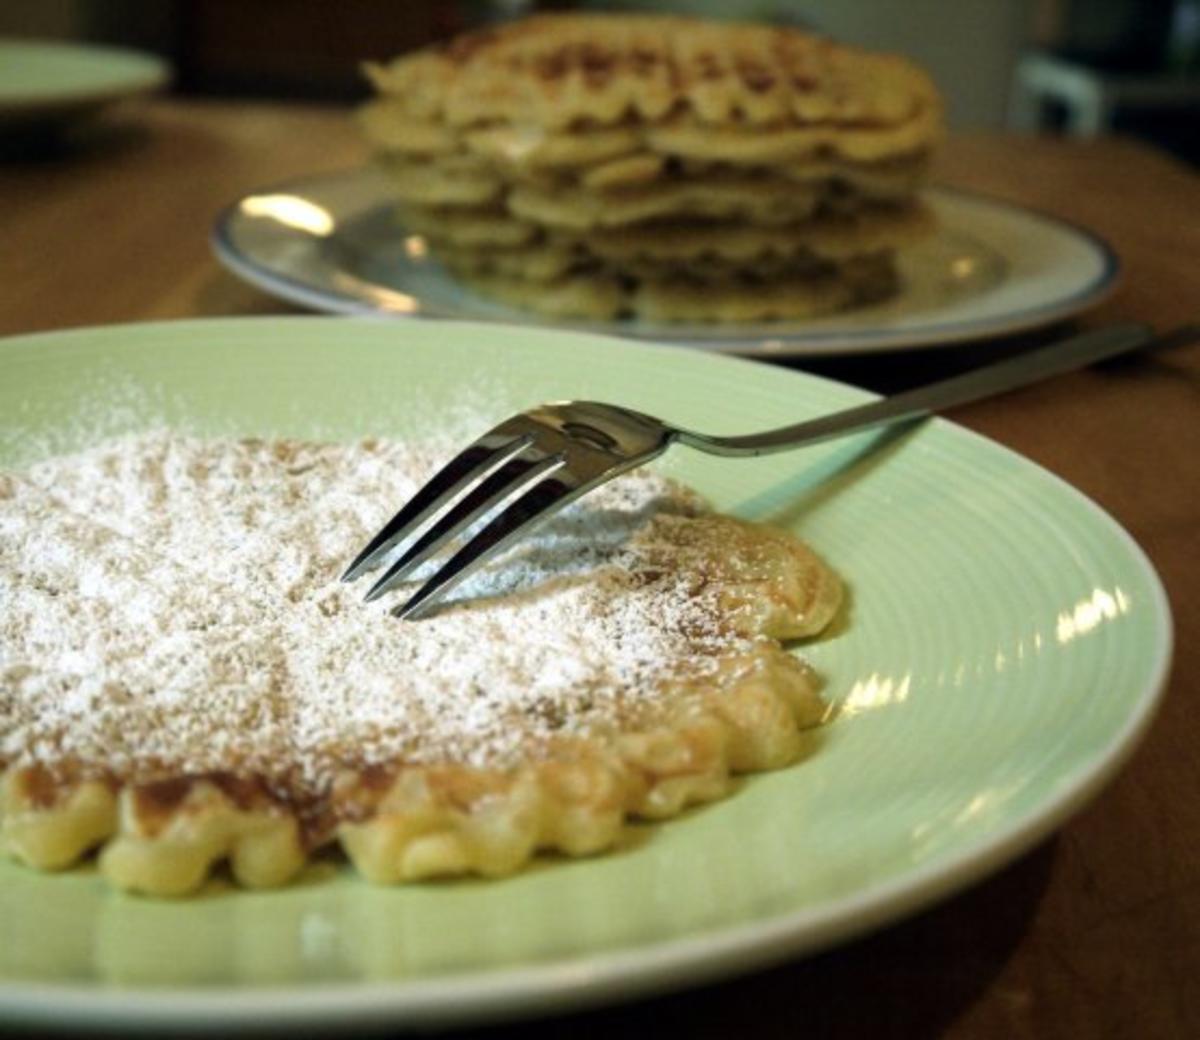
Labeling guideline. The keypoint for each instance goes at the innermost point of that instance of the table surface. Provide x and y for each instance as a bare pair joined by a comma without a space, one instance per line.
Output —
1096,933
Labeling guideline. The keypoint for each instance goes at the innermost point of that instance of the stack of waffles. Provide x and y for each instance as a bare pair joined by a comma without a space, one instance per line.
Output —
658,167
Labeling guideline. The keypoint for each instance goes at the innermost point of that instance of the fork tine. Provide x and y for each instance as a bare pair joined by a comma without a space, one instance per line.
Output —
473,462
541,500
512,476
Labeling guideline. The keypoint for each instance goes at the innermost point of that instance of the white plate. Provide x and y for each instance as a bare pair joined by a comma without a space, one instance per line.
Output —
334,244
42,81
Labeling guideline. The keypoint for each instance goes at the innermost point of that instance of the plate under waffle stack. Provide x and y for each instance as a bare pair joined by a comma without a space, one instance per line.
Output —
668,168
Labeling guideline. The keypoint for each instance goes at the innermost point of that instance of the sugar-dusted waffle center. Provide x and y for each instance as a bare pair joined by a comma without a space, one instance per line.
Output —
176,648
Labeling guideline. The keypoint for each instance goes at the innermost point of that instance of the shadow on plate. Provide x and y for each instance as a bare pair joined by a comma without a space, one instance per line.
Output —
912,980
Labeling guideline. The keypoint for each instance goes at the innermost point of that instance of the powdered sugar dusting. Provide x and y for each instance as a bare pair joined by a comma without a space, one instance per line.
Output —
170,604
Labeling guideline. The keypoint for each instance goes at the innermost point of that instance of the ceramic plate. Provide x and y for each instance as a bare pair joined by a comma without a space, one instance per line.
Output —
334,244
42,81
1004,648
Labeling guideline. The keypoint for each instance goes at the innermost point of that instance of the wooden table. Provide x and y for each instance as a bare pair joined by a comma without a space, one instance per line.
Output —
1094,934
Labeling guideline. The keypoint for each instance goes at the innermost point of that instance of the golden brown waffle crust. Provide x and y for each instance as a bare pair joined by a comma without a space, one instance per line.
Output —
561,70
167,776
401,822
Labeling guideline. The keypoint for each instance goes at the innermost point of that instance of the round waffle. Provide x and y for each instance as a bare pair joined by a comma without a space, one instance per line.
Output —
184,681
794,293
556,71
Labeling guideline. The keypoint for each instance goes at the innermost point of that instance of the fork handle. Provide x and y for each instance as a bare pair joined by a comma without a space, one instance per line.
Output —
922,401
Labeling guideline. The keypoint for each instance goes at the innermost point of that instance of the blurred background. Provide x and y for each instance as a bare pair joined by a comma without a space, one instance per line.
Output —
1079,67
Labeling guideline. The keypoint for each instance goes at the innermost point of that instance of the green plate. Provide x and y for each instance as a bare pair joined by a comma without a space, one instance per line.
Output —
43,80
1004,648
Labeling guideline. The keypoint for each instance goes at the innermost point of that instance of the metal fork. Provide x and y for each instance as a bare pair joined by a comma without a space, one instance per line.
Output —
551,455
